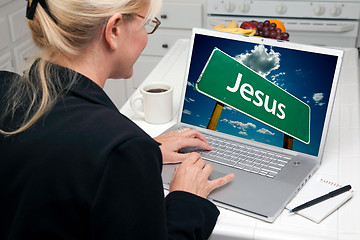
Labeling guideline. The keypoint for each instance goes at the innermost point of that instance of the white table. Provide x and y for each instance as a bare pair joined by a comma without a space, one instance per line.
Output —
341,162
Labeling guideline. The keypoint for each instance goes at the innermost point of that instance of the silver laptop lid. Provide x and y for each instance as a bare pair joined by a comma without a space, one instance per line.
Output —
295,73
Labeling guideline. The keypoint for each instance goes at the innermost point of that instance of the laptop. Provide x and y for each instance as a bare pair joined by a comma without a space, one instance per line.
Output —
264,106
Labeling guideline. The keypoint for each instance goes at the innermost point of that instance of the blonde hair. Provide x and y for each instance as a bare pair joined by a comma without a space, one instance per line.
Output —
69,29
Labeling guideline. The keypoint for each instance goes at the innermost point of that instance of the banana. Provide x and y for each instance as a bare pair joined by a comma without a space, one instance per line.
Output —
221,27
232,24
233,27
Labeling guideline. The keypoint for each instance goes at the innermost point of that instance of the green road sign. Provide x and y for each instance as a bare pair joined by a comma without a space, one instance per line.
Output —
234,84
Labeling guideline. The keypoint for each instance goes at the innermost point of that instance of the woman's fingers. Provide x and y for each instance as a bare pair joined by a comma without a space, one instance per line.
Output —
193,176
192,138
216,183
193,133
172,142
194,142
193,157
200,163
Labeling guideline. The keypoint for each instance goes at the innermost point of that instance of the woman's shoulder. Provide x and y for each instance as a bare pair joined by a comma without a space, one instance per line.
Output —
6,77
6,74
91,123
92,116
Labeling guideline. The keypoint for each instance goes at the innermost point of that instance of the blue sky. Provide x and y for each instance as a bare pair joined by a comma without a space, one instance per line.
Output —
305,75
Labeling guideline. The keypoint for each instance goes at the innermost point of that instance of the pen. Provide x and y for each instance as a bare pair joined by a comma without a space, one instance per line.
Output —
322,198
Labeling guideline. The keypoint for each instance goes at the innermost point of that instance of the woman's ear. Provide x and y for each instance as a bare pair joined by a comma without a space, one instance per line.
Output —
112,30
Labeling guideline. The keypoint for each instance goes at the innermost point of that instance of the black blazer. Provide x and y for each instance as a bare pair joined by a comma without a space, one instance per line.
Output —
85,171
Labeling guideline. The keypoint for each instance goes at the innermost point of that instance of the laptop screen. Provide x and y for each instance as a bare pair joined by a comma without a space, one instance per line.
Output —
285,96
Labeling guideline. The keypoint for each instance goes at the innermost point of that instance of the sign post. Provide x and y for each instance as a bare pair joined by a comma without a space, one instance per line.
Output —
214,119
231,83
288,142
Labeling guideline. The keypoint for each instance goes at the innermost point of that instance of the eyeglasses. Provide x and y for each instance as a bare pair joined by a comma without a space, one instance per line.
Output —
150,25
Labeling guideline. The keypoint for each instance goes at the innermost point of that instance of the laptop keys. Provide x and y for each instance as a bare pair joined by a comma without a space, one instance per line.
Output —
246,158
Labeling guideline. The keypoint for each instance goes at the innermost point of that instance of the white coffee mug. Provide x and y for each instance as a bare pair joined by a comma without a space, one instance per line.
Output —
157,102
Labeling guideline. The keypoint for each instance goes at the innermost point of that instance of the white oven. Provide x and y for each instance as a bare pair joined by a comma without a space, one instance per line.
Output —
330,22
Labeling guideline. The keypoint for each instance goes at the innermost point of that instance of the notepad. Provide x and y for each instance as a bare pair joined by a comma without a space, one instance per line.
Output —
320,211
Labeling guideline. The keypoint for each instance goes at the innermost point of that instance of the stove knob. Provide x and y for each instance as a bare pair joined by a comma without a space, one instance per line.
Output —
244,7
229,6
335,11
319,10
281,9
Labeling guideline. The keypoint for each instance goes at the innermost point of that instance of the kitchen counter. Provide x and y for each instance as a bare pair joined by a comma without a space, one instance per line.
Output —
341,162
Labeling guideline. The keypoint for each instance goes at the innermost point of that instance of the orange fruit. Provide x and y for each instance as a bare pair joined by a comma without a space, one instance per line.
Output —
279,24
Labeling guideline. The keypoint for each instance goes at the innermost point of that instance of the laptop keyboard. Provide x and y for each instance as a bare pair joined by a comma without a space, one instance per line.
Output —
244,157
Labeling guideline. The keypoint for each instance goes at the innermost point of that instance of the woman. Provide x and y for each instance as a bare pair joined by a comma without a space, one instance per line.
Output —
72,166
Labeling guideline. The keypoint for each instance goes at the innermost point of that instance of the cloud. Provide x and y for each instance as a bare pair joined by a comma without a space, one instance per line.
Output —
243,133
240,125
260,59
278,80
227,108
189,100
318,97
305,99
277,75
265,131
187,112
190,84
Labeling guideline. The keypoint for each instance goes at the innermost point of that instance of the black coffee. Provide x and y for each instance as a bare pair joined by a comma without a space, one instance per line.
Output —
156,90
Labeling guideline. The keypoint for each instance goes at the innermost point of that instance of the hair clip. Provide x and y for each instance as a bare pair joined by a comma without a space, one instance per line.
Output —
31,9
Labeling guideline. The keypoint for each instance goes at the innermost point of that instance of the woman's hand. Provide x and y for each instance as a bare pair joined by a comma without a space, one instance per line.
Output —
193,176
172,141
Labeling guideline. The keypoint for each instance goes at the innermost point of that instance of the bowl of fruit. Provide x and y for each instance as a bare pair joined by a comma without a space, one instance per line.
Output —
272,28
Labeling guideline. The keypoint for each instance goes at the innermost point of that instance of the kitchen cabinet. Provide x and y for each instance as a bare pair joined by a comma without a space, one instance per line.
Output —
16,45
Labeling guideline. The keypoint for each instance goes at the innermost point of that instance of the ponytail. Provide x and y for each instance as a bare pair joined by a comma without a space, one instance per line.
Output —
60,28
